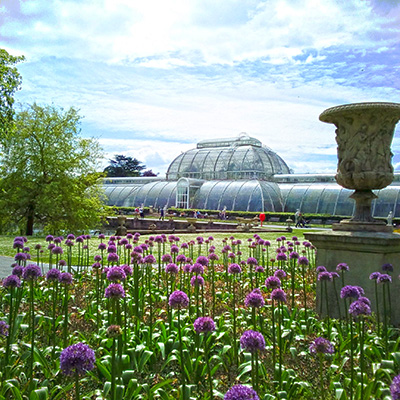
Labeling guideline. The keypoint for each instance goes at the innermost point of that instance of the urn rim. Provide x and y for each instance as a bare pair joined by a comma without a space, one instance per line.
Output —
330,113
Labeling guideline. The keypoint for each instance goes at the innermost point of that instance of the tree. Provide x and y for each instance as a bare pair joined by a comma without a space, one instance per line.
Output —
49,172
149,172
124,166
10,81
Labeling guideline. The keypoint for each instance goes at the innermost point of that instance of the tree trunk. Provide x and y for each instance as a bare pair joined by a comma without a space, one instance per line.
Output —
29,223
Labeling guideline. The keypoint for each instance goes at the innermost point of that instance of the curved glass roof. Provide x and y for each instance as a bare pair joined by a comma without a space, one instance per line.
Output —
252,195
238,158
157,194
330,198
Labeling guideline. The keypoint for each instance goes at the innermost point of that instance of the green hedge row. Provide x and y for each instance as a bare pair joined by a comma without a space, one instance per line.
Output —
283,216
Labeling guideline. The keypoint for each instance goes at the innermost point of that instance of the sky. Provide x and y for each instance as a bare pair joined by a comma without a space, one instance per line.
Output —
152,78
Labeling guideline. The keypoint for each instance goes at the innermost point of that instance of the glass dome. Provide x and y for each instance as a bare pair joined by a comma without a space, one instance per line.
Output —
238,158
251,195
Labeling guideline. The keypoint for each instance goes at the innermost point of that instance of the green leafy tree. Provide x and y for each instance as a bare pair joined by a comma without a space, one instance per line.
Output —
122,166
48,172
10,82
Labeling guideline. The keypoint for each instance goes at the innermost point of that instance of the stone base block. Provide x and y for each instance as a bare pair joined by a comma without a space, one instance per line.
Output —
364,253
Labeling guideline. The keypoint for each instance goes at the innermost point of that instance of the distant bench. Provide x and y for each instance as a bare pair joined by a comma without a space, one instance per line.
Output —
274,219
316,222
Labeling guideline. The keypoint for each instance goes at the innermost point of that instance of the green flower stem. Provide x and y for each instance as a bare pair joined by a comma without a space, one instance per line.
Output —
321,374
213,287
273,334
351,359
113,370
327,309
235,349
361,327
385,322
32,327
280,343
206,351
77,395
181,356
65,325
378,322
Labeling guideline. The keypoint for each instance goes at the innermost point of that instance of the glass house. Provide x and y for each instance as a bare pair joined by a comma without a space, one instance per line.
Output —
242,174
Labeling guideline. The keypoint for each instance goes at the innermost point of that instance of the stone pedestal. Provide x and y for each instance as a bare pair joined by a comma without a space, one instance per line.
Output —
364,253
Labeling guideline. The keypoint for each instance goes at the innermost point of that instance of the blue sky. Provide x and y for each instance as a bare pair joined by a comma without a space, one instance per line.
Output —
154,77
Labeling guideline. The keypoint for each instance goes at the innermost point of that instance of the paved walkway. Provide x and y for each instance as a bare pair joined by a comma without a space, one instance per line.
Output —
5,266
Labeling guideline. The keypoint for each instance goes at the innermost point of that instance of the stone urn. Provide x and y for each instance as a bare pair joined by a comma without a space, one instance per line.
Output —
364,133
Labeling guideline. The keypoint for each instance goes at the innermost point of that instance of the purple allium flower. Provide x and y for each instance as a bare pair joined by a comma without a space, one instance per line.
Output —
334,275
178,299
166,258
71,236
204,325
184,246
51,246
395,388
53,275
4,328
197,268
303,261
280,273
273,282
325,276
12,281
96,265
38,246
79,239
342,267
18,244
102,246
213,257
97,258
20,257
123,242
278,295
259,268
174,249
321,346
181,258
114,291
202,260
66,278
387,267
366,300
197,280
69,243
57,240
241,392
281,256
149,259
17,270
384,278
113,257
234,269
254,299
187,268
116,274
293,255
252,261
358,308
31,272
127,269
57,250
171,268
62,263
320,268
374,276
351,292
252,341
111,248
49,238
77,359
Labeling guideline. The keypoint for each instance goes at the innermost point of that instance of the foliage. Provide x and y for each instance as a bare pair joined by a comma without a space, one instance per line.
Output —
49,173
149,172
122,166
10,81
